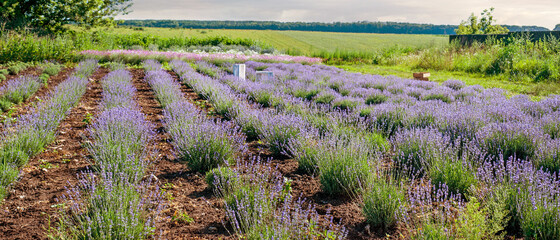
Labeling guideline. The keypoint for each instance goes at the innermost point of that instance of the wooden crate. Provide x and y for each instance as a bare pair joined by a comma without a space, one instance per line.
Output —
421,76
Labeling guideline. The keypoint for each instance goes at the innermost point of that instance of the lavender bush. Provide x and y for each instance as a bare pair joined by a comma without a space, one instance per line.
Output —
118,142
86,68
551,125
532,196
18,90
344,165
259,206
454,84
278,130
110,206
416,150
519,140
383,203
207,145
118,90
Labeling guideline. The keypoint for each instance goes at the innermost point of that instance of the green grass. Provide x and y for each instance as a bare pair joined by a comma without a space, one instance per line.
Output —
304,42
536,90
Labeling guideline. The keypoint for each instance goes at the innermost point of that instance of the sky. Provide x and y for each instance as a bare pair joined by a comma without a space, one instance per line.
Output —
545,13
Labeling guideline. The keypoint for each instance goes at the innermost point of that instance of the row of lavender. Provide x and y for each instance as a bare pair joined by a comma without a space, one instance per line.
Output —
450,143
18,90
31,132
257,199
462,113
114,201
531,128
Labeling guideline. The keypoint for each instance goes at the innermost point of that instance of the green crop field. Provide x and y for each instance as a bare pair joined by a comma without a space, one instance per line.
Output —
305,42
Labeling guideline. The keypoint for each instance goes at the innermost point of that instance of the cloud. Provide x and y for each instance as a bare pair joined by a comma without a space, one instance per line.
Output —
520,12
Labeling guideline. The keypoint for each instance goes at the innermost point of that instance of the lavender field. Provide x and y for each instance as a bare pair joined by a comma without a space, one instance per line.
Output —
186,150
433,161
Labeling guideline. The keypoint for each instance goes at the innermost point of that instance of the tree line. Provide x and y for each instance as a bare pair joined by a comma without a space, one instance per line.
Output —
351,27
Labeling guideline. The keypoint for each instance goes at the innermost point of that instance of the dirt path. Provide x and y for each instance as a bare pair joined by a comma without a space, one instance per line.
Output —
184,191
33,199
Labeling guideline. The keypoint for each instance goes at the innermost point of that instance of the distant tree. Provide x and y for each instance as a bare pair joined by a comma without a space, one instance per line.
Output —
52,15
483,26
557,28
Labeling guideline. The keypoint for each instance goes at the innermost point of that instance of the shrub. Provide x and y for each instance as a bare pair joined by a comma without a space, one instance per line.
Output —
118,141
382,204
265,97
376,99
539,218
223,179
454,84
294,221
19,89
111,208
461,124
530,196
471,223
417,150
44,78
440,93
5,105
50,68
388,118
259,206
433,211
551,125
455,174
548,156
325,97
373,141
15,69
85,68
346,103
306,93
279,129
344,167
306,151
207,145
249,121
8,174
116,66
510,139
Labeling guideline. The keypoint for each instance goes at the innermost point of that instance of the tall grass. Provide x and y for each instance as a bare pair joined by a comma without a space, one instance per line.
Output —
27,46
516,58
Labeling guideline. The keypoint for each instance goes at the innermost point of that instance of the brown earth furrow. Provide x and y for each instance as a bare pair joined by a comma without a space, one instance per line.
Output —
32,204
184,191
